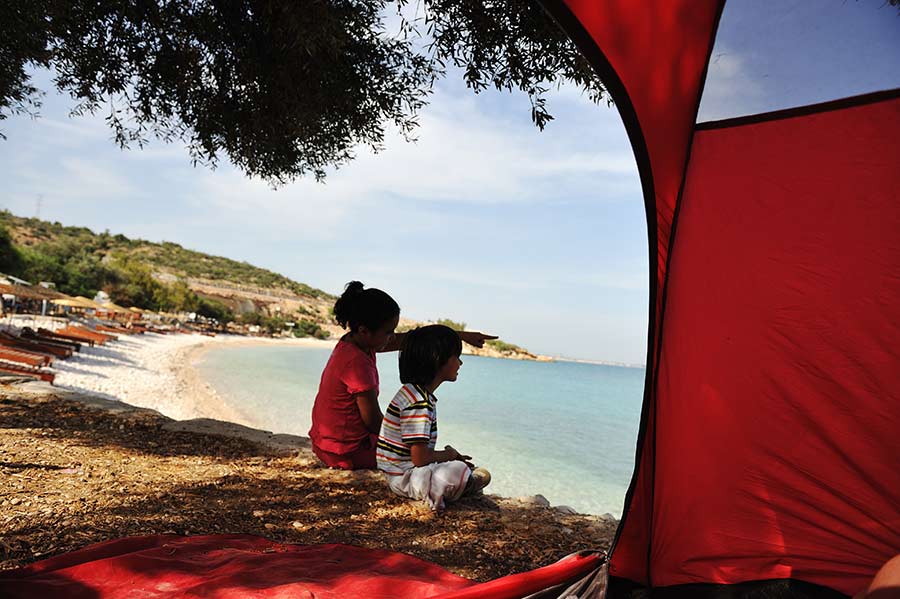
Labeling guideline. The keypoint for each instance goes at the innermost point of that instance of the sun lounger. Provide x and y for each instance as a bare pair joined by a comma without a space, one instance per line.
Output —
84,333
65,336
24,336
11,368
11,341
108,329
24,357
32,335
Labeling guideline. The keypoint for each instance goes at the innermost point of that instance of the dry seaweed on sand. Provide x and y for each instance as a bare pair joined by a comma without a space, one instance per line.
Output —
72,475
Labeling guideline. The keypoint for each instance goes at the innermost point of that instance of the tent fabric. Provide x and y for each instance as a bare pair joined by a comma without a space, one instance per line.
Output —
765,449
240,566
777,396
660,55
652,60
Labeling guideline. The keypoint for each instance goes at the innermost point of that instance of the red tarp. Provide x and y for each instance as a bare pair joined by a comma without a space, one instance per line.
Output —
223,566
238,566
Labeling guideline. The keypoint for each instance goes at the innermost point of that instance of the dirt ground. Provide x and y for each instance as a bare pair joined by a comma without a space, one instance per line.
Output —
72,475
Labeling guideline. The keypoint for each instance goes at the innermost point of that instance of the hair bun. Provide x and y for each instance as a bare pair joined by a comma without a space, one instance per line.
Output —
345,307
353,288
359,306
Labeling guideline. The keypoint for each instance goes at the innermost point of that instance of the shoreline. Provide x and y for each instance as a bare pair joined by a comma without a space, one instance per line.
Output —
195,385
80,467
160,373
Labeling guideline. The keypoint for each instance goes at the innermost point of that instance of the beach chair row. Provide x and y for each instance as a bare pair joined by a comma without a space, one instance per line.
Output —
29,352
24,354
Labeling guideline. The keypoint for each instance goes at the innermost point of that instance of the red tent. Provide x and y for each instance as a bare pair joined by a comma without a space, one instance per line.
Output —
768,452
768,445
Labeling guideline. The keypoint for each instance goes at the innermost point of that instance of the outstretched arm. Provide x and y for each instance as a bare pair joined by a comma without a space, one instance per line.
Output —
475,338
394,344
471,337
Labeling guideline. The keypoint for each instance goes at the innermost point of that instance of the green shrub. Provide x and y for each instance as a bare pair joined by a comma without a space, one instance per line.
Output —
504,347
456,326
210,308
308,328
10,257
81,262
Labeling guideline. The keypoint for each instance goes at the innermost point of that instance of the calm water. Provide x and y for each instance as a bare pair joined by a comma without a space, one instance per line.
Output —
561,429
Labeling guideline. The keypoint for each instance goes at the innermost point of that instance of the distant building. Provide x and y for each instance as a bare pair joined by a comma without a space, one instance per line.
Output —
11,280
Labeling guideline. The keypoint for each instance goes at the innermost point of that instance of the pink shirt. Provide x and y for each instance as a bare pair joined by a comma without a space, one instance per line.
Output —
337,425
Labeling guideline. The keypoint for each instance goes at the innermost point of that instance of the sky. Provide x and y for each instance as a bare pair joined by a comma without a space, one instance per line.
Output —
539,237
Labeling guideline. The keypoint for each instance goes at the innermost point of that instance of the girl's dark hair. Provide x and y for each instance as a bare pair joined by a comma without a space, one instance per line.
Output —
425,350
369,307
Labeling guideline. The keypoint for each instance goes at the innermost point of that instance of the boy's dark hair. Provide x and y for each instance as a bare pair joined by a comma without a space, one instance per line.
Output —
369,307
425,350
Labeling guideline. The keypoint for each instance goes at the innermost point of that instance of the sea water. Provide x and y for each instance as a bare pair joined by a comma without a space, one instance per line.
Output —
565,430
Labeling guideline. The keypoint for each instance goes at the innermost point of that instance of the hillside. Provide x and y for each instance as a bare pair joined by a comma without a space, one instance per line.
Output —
168,277
165,257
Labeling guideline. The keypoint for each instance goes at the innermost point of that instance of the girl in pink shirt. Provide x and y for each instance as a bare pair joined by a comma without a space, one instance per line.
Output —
346,417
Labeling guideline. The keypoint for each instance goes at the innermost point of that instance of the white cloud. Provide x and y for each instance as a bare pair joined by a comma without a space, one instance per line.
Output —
731,89
463,155
299,208
447,276
75,130
77,179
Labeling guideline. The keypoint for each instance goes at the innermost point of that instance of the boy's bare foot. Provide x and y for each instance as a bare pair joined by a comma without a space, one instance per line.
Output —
479,479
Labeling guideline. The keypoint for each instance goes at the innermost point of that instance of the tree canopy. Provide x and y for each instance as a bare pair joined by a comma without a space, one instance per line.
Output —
283,88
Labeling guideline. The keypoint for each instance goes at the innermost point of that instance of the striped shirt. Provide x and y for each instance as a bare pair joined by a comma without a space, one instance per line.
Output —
411,418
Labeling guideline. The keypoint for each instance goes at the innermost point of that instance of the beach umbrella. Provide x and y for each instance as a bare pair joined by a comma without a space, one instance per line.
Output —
68,302
88,303
111,307
31,292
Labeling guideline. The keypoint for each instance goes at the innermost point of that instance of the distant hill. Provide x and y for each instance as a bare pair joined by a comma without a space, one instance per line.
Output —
164,257
168,277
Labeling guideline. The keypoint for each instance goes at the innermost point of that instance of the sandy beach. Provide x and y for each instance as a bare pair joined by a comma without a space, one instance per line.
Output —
156,372
131,441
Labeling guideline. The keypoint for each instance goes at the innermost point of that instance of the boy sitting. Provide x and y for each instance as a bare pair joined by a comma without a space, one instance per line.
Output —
406,447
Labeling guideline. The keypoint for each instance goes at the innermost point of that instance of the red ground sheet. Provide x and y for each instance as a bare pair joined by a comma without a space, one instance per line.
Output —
233,566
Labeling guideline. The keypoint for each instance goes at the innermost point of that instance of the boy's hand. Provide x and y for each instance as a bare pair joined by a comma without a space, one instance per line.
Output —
456,455
422,455
475,338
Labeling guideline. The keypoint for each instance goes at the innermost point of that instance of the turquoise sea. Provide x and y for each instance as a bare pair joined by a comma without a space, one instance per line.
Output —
565,430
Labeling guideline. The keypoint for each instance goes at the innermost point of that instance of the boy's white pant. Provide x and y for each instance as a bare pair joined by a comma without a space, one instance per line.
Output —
434,483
